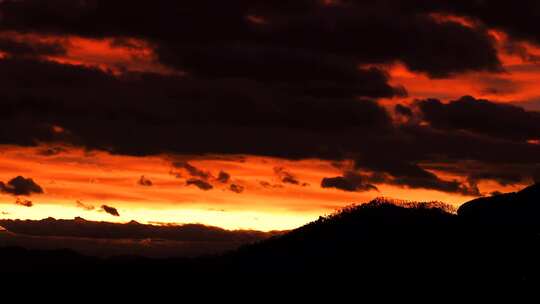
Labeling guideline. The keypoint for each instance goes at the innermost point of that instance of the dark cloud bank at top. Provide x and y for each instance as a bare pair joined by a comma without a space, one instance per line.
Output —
275,78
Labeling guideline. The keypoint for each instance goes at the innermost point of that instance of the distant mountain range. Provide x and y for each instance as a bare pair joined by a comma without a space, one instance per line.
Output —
104,239
495,239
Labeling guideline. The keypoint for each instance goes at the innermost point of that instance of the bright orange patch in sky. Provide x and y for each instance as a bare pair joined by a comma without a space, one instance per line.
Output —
518,83
110,54
465,21
117,55
98,178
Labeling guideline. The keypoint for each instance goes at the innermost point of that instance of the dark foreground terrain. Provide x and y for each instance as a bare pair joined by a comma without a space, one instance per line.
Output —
494,239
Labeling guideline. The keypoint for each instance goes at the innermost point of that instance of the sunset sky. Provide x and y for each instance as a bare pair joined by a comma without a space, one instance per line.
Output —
263,115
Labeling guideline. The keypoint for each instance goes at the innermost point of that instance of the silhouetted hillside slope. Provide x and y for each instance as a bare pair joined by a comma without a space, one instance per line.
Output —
378,242
515,209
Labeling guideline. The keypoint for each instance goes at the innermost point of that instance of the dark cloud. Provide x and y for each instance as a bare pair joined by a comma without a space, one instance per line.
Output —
350,182
517,18
385,32
199,183
431,181
268,185
224,177
84,206
145,182
52,151
499,86
403,110
109,109
503,178
192,171
482,116
311,37
295,72
285,176
29,49
503,174
291,128
24,202
414,176
425,143
21,186
295,81
237,188
110,210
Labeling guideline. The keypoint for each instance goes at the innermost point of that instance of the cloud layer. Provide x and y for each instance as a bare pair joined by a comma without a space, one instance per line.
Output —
291,80
21,186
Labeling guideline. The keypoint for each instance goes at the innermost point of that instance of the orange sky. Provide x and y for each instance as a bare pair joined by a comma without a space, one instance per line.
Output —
98,178
518,83
115,55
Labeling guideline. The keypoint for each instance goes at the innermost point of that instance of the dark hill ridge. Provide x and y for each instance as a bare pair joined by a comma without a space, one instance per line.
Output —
388,243
376,242
515,209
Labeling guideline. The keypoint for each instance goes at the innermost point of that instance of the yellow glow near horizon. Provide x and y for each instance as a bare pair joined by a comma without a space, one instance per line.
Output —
237,220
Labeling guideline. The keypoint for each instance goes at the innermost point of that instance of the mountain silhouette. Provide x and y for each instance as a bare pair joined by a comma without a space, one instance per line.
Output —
383,241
